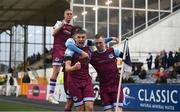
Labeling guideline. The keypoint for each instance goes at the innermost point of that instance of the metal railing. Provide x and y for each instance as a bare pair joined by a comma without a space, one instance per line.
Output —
150,22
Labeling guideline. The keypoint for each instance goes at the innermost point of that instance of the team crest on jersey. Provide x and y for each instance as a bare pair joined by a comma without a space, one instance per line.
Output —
111,56
56,59
75,98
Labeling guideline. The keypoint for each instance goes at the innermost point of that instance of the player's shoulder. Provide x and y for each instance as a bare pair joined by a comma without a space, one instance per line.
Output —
94,53
70,40
110,49
58,21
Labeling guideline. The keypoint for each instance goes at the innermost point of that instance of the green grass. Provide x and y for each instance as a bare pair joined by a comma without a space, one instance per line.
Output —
8,106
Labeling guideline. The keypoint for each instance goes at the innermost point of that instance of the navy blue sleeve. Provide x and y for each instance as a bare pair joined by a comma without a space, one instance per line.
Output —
108,39
90,42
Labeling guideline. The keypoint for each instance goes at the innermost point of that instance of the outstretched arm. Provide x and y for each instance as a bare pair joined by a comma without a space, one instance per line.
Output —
114,39
108,39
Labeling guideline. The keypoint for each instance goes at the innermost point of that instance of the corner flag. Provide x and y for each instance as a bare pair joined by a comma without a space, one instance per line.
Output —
127,60
125,69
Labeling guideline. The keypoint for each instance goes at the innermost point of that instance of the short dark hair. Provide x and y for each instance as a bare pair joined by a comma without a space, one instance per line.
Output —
67,10
97,36
77,30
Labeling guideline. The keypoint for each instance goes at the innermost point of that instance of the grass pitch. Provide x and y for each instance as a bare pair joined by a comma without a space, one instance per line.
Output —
10,106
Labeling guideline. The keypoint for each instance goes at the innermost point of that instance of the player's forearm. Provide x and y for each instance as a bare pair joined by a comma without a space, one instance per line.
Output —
70,45
114,39
92,42
55,31
108,39
68,67
57,27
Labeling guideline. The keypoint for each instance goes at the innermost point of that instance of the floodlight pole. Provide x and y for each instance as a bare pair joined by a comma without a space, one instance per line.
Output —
10,49
25,47
44,45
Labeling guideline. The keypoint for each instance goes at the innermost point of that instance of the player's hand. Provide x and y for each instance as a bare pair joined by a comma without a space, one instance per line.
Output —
63,23
115,40
77,66
84,55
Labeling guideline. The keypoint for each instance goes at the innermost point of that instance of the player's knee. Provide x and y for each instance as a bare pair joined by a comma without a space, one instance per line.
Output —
119,109
57,70
109,110
80,108
89,106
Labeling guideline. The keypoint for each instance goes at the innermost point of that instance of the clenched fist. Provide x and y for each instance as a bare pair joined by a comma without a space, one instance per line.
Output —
77,66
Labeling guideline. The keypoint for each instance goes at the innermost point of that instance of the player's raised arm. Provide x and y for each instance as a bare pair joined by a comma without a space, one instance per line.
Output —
107,40
57,27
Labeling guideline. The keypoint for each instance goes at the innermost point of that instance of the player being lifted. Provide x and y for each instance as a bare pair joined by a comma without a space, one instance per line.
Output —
61,32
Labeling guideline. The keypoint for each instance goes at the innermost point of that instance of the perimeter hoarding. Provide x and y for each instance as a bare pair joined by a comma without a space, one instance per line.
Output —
164,97
150,97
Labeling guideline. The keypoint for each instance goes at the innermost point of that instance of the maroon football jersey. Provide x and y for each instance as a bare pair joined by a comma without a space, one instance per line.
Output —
83,73
61,37
59,42
105,65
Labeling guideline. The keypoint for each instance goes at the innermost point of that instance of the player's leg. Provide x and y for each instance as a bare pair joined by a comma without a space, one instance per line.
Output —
75,91
52,84
89,105
88,96
69,105
57,62
56,69
120,104
106,101
69,102
78,101
80,108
